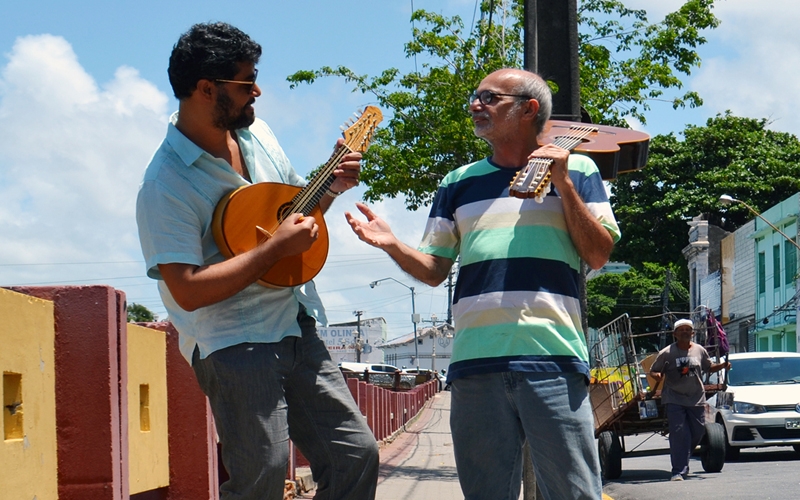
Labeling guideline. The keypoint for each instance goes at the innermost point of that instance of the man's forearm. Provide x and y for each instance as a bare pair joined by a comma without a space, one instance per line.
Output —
429,269
592,241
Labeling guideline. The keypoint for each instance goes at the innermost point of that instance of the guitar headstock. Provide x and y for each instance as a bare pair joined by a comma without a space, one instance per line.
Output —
358,134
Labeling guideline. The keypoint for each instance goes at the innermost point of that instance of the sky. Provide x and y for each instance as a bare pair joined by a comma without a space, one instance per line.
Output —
84,102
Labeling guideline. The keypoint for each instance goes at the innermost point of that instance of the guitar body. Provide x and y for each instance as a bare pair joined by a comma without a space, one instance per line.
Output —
241,213
251,214
615,150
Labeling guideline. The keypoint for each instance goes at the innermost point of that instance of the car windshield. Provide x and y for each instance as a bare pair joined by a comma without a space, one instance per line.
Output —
764,371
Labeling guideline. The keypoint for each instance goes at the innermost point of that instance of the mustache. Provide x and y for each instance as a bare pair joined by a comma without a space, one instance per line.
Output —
481,114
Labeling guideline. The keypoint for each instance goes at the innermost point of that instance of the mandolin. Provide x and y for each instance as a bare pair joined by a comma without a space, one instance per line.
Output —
250,214
615,150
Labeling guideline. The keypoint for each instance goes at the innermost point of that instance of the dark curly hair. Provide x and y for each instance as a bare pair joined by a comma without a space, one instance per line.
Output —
209,50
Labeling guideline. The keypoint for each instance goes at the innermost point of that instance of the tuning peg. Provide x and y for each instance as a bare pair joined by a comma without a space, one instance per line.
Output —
342,128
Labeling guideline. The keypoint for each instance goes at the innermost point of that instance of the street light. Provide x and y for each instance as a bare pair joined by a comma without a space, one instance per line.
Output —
414,318
727,200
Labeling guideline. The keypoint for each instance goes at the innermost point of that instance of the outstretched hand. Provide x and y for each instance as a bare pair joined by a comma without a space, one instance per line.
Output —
375,231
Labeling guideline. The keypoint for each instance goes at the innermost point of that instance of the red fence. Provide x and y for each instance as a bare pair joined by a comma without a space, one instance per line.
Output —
92,412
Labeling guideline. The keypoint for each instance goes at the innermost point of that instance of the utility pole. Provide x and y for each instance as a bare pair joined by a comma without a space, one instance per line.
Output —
434,319
450,285
551,50
665,324
358,335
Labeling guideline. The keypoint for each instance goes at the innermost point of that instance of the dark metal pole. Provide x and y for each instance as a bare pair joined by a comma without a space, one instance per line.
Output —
551,50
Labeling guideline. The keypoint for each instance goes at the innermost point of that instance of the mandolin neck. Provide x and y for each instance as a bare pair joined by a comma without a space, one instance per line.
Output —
309,197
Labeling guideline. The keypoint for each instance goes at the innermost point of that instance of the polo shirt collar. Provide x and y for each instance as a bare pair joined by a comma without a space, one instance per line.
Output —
188,151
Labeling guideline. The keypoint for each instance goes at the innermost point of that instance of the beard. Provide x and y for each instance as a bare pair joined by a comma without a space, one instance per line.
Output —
495,127
226,118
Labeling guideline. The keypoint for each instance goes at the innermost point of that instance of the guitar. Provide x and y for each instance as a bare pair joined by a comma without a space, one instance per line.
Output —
614,150
250,214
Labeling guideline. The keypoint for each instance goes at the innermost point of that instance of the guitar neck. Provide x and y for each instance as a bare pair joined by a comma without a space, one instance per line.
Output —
309,197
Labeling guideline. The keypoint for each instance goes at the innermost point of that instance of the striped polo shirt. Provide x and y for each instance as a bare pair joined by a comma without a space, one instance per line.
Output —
516,304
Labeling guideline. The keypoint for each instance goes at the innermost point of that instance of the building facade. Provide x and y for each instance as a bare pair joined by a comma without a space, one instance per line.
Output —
775,327
355,341
748,279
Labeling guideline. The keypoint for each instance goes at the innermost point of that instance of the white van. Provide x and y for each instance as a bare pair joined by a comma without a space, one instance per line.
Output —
372,367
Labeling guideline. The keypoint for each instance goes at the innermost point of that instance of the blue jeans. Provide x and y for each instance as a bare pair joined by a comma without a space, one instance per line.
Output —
686,430
491,417
263,394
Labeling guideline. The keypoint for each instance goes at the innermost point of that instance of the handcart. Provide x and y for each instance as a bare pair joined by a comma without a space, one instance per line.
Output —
625,403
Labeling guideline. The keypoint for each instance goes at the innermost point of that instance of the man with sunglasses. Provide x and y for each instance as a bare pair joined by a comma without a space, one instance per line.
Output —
519,368
254,349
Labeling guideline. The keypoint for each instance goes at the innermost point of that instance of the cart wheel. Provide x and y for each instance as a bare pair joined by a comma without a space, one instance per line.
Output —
610,452
713,453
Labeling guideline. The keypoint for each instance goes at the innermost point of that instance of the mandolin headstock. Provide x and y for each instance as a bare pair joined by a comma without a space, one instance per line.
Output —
358,134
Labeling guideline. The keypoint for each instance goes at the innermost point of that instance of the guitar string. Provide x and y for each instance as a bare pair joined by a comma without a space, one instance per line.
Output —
312,193
568,142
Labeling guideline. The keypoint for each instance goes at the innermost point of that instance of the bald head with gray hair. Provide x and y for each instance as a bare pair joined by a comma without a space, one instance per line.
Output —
536,87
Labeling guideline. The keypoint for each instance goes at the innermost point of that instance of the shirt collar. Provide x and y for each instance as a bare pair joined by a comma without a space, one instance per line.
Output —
188,151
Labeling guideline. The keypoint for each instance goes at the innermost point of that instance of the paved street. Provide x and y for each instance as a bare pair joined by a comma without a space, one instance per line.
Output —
764,473
420,463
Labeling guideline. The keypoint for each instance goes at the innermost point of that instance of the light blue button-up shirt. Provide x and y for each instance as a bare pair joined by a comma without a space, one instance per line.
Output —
174,210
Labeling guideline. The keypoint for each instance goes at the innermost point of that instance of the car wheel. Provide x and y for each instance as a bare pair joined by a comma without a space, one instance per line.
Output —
610,452
713,455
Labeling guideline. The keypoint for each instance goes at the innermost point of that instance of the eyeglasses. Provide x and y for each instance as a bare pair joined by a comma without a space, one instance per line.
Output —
240,82
487,96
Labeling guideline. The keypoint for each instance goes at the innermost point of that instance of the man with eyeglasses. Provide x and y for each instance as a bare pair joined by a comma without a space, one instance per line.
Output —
519,367
254,349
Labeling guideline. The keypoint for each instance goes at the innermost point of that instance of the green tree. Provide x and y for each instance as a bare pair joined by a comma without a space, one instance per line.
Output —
641,294
138,313
625,63
685,178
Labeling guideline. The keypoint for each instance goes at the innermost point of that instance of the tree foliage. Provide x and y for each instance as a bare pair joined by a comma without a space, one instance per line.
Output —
642,293
685,178
138,313
626,62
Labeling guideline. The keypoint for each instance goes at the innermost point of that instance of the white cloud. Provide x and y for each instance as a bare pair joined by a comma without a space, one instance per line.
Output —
755,73
73,155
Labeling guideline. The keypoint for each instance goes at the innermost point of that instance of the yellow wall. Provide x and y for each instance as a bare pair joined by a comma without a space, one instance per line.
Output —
147,409
28,460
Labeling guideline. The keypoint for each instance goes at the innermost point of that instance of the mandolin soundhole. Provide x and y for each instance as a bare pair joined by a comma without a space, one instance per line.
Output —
284,211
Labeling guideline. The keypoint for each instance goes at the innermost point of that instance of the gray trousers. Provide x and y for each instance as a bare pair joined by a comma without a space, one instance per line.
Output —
686,430
263,394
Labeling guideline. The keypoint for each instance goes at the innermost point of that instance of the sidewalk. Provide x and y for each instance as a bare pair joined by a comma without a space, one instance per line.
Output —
419,463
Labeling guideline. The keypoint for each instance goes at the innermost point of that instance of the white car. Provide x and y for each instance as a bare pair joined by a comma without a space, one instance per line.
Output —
765,407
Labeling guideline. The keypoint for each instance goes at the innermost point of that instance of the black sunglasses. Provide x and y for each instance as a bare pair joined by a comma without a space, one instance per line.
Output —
486,97
241,82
